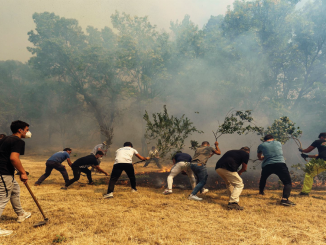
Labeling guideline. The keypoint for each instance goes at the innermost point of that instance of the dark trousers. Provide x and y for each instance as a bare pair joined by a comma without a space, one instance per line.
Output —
155,160
282,171
116,173
88,174
76,171
50,165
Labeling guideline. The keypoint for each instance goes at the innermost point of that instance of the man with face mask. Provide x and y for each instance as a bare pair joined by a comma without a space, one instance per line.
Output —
11,147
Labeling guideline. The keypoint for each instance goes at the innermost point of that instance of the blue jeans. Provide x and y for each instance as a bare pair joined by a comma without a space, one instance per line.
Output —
201,175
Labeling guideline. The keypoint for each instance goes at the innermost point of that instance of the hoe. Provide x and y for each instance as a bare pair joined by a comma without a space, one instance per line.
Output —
46,220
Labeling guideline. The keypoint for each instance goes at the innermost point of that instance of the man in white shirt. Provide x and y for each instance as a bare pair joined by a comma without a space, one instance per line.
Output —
123,162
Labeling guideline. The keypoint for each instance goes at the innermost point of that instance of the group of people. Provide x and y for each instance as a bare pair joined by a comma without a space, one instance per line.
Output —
227,167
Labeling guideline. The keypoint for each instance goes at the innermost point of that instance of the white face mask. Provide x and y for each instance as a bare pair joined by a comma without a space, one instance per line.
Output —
100,158
28,134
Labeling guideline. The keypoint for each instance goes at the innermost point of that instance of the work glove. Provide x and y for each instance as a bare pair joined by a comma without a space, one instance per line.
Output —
304,156
300,149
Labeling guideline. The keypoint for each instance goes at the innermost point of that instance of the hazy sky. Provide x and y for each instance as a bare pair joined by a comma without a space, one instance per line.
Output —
16,16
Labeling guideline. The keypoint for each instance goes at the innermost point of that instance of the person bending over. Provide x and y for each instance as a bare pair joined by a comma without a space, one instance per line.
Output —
55,162
309,178
271,153
181,163
154,156
11,148
198,166
90,160
123,162
227,167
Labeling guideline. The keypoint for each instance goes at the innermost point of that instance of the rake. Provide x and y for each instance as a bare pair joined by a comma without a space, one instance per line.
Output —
46,220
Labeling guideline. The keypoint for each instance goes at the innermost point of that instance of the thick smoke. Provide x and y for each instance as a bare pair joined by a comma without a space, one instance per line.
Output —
251,58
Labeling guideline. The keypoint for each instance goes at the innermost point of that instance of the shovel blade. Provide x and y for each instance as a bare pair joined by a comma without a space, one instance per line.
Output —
41,223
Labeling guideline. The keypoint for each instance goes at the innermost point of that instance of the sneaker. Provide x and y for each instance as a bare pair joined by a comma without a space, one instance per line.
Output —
287,203
36,184
5,232
25,215
303,194
92,183
204,191
234,206
110,195
167,192
194,197
261,193
134,190
64,188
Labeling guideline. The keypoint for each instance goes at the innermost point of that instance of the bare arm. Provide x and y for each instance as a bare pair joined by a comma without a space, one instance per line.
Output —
69,161
100,170
260,157
243,169
141,157
313,156
15,161
309,149
217,151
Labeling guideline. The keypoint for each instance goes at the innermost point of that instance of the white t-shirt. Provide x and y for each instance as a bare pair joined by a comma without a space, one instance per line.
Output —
125,154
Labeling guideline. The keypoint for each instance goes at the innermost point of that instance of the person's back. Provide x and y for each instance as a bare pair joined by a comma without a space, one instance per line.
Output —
272,151
59,156
232,160
125,154
182,157
203,153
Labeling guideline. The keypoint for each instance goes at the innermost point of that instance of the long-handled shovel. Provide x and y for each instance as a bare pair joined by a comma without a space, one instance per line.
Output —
46,220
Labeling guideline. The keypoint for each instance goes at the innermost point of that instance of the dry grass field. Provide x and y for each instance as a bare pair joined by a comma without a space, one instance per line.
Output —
81,216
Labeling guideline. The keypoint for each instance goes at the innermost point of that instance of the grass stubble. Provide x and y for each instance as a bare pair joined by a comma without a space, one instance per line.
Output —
81,216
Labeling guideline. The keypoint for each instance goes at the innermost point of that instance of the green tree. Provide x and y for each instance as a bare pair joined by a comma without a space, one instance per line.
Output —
64,52
169,132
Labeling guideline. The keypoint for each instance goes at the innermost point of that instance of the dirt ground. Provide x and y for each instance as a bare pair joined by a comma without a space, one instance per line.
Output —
81,216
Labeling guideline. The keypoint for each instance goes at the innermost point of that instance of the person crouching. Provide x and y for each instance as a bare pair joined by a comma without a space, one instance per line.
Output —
90,160
227,167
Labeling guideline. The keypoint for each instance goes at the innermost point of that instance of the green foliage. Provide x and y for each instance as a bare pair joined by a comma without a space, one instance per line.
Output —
282,130
313,164
193,144
170,132
59,239
240,122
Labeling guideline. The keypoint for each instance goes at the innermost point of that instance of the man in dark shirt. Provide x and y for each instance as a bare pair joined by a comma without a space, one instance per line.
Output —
11,147
198,166
181,163
309,178
90,160
227,168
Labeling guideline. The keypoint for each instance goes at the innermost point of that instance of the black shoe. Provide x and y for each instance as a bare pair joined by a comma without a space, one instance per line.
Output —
234,206
287,203
261,193
92,183
303,194
64,188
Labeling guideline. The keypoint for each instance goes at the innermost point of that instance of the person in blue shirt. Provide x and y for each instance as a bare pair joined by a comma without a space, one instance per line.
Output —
55,162
271,153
